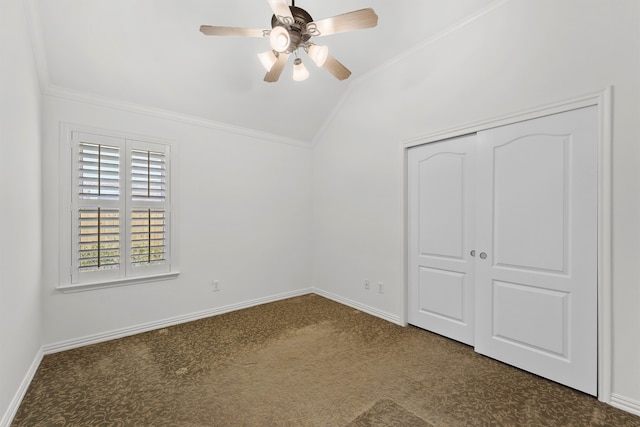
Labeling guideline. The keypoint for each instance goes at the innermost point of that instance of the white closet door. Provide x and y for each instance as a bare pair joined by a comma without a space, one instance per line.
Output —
536,237
441,221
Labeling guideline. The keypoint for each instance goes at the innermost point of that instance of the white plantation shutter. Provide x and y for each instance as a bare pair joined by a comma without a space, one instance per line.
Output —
99,239
121,209
148,175
148,238
99,171
149,209
97,230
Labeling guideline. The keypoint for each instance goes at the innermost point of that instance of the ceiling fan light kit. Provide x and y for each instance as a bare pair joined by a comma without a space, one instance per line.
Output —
291,29
300,72
319,54
280,39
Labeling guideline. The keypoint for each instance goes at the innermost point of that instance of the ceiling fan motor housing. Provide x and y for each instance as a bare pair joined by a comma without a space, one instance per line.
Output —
297,30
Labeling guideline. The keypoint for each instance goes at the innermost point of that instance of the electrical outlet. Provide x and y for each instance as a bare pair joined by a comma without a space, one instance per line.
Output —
380,287
216,285
366,284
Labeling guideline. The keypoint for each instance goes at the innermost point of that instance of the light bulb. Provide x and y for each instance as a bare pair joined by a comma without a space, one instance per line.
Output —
319,54
268,59
300,72
279,39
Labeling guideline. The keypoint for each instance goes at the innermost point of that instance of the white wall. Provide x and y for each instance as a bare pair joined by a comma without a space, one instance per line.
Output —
20,208
520,55
243,217
249,218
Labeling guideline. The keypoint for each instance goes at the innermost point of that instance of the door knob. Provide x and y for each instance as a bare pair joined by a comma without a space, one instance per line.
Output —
483,255
472,253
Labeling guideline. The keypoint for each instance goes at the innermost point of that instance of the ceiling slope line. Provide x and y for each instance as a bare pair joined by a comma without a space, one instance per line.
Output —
100,101
430,40
400,57
34,29
333,113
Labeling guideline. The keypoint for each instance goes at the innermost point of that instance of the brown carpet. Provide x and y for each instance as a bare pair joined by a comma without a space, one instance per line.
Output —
387,413
305,361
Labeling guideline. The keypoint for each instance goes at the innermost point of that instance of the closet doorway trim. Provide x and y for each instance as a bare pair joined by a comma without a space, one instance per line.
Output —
603,100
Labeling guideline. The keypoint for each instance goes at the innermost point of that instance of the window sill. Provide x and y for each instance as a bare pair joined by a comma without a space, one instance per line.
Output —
81,287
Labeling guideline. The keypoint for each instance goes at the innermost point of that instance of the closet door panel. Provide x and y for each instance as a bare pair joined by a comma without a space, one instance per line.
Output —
532,171
441,236
536,281
441,205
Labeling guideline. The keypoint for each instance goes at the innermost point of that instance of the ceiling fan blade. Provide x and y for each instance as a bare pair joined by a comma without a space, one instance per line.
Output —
336,68
356,20
211,30
281,10
274,74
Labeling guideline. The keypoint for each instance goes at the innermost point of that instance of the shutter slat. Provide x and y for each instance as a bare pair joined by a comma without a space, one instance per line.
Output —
99,171
148,240
148,176
99,239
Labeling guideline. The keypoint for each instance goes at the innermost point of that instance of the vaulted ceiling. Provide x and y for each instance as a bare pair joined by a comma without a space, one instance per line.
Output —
151,53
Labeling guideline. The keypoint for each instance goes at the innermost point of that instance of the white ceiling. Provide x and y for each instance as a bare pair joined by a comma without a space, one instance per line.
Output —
151,53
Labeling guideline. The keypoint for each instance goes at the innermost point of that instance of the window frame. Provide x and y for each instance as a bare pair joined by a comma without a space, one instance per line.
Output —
71,279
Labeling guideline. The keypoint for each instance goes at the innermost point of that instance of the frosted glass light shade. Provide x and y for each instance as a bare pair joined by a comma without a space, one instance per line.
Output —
318,54
300,72
267,59
279,39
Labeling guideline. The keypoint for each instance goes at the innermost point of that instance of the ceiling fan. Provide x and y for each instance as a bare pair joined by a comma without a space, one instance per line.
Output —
291,29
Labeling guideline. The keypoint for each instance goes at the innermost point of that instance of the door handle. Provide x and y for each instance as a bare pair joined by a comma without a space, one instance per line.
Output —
483,255
472,253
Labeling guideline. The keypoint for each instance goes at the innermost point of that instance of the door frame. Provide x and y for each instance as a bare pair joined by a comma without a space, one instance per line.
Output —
603,101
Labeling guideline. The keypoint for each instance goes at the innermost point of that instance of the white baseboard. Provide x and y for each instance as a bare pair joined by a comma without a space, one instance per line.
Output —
365,308
120,333
11,411
145,327
625,404
618,401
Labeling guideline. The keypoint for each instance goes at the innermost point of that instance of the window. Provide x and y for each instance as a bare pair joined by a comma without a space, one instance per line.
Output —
120,225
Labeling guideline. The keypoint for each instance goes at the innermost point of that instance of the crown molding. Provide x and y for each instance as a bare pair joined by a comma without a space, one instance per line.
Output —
436,37
401,57
49,89
100,101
